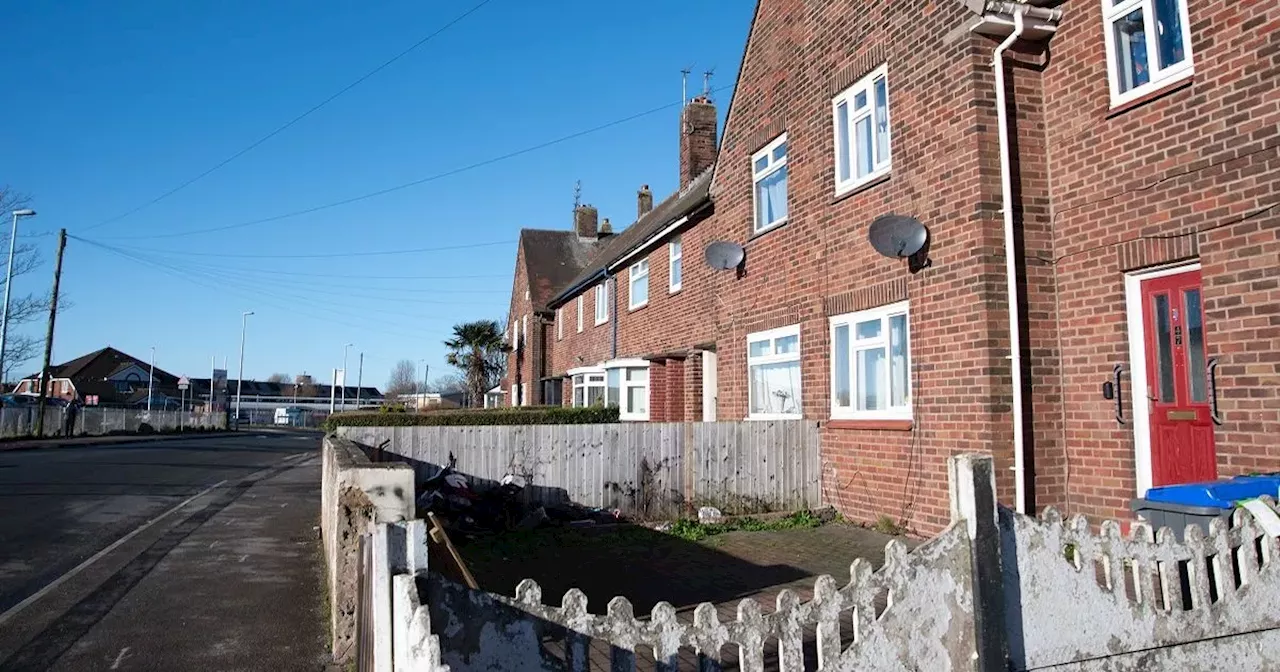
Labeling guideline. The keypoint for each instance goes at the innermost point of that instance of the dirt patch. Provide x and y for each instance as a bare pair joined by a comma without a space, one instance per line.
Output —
646,566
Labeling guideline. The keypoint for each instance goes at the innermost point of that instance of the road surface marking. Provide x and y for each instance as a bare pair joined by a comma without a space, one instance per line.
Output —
120,658
243,557
13,611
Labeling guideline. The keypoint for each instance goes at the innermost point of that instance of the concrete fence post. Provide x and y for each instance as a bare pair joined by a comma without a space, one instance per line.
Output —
380,568
973,500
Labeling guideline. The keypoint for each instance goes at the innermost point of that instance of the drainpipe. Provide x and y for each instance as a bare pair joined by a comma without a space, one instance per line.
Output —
1011,269
612,282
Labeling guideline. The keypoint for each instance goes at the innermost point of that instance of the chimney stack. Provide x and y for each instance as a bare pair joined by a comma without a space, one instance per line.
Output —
644,201
697,138
584,221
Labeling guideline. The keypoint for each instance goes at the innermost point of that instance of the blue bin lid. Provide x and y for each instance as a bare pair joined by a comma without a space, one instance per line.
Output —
1217,494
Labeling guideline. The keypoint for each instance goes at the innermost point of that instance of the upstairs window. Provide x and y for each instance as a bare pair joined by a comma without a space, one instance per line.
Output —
602,303
559,323
773,370
861,116
1148,45
675,265
639,294
579,313
769,175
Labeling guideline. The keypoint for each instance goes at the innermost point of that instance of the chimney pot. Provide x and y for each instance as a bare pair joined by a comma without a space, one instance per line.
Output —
644,201
606,228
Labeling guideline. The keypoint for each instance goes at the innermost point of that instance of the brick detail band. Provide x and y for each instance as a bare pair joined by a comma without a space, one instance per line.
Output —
871,59
881,294
765,135
1145,252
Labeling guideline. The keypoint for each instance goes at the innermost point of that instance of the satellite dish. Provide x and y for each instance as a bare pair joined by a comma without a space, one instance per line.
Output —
897,236
724,255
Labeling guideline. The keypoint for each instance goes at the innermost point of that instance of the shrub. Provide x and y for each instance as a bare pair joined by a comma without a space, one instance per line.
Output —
525,415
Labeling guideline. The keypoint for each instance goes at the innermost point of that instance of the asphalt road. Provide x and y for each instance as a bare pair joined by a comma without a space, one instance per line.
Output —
189,554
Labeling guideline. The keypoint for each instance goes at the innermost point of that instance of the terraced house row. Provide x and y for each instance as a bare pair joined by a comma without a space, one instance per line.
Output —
1098,302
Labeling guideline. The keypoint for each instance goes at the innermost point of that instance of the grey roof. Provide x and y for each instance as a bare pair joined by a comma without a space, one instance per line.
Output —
677,205
552,259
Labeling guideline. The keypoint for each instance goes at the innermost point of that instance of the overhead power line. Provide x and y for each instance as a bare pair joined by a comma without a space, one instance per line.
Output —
318,255
293,121
406,185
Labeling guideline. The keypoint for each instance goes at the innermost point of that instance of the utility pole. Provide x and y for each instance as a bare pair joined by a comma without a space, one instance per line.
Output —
151,382
48,336
359,380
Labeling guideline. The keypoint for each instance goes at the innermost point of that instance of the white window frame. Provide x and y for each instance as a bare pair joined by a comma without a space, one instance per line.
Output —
882,313
602,303
675,259
773,358
584,379
774,165
560,323
639,271
880,166
623,367
579,313
1159,77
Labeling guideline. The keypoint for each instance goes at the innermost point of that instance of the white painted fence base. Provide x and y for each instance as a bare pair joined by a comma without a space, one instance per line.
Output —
995,591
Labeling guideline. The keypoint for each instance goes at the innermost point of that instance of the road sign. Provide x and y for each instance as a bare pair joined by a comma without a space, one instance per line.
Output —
184,383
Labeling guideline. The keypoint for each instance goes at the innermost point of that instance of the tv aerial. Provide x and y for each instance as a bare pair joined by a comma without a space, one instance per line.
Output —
723,255
901,237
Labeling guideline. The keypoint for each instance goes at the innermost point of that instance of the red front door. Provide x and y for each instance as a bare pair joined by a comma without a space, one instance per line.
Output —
1177,380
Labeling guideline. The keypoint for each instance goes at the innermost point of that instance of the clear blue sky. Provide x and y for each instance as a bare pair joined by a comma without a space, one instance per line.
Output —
109,105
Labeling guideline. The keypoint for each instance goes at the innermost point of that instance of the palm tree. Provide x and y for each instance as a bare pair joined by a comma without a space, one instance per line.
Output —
478,349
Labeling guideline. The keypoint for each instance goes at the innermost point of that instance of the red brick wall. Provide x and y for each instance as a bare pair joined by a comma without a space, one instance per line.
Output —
1196,158
800,56
520,363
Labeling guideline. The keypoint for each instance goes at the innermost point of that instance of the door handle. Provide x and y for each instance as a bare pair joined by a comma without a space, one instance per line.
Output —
1213,390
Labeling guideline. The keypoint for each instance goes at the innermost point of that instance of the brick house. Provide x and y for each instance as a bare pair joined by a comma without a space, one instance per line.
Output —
546,260
1136,168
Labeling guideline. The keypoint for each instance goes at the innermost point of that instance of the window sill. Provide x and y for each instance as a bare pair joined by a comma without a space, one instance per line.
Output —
869,184
674,290
638,306
771,418
764,232
1176,83
604,321
889,425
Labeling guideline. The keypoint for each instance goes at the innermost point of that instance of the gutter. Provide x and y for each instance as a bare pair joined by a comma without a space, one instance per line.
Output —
1047,20
642,246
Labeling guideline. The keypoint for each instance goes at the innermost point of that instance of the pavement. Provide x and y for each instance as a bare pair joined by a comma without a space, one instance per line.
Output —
198,554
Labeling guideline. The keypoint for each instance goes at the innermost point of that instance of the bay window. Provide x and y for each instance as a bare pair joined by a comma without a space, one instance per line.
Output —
588,388
861,118
769,177
871,364
1148,44
773,372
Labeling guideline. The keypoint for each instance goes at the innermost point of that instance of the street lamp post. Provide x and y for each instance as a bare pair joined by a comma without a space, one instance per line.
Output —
8,283
344,375
151,380
244,325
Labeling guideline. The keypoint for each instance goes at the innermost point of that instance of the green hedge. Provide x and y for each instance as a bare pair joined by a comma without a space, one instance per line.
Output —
527,415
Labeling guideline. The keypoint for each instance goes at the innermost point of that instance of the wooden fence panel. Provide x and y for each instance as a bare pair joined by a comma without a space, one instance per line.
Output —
644,469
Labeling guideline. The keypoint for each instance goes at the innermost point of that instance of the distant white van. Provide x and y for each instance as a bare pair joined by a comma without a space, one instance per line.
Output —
289,416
